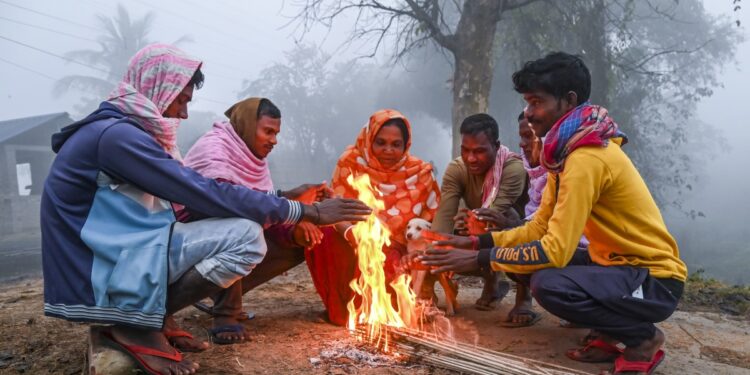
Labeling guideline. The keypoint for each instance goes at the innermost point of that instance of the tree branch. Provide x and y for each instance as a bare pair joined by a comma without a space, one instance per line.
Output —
419,13
638,67
510,5
410,22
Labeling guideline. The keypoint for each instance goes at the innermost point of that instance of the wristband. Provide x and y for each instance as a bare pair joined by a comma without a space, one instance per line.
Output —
474,242
486,241
483,260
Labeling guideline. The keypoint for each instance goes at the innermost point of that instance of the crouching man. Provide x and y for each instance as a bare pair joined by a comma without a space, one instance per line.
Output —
632,276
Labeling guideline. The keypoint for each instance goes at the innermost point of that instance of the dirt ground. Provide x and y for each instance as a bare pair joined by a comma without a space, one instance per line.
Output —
289,336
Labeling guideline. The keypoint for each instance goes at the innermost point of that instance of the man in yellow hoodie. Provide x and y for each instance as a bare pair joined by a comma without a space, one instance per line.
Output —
632,276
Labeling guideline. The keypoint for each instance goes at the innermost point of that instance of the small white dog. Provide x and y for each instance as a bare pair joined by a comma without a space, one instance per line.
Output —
415,243
414,239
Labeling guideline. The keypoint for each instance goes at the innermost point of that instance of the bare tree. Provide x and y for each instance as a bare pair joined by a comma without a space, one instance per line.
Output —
464,29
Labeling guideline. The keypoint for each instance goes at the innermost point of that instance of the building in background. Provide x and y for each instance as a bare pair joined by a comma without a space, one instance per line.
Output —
25,159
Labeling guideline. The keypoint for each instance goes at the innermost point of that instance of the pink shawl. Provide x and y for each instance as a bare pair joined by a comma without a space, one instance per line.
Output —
494,176
222,154
155,77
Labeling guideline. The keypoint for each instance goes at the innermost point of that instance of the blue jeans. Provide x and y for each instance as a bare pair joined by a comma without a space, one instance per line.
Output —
222,250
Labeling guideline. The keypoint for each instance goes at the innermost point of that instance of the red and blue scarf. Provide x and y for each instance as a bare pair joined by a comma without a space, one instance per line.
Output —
585,125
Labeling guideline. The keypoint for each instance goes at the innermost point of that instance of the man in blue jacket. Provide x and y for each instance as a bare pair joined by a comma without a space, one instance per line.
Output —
111,250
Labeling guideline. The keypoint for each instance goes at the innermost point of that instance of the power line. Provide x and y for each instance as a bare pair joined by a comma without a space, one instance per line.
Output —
27,69
48,29
198,98
214,63
48,15
209,27
101,6
54,54
217,75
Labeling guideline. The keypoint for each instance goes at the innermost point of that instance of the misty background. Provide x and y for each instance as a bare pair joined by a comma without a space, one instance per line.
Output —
683,100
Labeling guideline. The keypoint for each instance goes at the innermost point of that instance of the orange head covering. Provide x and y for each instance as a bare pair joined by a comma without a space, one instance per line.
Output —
409,187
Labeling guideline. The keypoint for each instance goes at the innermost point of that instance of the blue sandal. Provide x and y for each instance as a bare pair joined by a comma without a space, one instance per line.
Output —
231,328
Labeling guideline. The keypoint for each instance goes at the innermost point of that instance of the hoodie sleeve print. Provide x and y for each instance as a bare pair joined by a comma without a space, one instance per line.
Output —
550,239
127,153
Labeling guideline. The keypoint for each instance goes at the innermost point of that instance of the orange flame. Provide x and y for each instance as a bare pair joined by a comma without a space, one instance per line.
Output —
375,311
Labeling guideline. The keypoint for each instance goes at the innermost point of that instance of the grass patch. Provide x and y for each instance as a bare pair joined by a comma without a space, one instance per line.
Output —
704,293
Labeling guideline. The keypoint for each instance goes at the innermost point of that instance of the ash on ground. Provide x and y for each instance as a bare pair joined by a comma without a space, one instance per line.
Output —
351,353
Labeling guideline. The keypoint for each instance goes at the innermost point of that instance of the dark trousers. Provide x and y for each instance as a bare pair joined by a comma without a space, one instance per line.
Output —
601,298
281,256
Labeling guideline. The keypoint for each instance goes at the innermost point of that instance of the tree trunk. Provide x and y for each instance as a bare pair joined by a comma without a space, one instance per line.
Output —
597,53
474,62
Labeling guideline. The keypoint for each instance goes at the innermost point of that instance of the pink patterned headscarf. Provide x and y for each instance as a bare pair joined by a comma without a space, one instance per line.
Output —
155,77
494,176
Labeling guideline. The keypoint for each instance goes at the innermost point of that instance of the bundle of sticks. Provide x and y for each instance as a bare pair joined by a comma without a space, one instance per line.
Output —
465,358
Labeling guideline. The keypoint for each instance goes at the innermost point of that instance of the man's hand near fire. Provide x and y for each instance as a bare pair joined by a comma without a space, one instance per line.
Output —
447,259
442,240
446,253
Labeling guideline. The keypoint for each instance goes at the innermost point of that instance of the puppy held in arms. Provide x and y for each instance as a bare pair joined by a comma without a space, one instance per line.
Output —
423,282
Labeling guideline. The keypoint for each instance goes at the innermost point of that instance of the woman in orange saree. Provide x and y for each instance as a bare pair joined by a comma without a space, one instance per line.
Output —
409,191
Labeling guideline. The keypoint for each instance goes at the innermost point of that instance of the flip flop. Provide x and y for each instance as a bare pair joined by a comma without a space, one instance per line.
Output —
171,335
135,352
623,365
509,323
244,315
614,351
591,336
231,328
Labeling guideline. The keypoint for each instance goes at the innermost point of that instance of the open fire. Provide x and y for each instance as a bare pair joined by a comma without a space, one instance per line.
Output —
371,310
